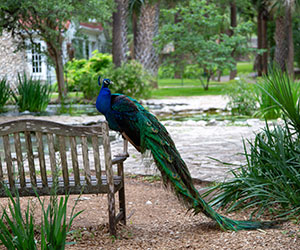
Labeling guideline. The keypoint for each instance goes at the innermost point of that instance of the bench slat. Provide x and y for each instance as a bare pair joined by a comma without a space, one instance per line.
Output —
95,143
8,160
48,127
74,155
39,138
86,163
1,172
52,157
63,157
30,158
18,148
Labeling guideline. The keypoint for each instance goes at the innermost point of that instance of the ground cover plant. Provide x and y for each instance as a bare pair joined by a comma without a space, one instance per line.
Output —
270,180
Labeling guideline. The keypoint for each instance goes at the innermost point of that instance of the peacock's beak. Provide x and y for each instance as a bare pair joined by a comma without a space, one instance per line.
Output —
111,82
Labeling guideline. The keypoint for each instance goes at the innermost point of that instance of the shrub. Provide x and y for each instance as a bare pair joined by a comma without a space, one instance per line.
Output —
242,99
166,71
32,95
5,93
130,79
83,74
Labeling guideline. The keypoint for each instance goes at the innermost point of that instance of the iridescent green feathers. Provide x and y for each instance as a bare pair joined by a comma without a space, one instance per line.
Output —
128,116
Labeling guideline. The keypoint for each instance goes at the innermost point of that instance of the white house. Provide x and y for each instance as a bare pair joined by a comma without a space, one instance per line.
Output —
80,41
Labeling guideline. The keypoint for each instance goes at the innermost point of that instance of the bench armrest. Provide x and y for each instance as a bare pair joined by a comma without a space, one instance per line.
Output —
118,159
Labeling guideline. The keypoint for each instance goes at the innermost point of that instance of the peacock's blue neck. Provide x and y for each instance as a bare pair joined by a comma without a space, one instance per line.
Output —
103,102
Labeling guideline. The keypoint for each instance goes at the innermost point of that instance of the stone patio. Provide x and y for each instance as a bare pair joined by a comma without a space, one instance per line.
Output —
198,142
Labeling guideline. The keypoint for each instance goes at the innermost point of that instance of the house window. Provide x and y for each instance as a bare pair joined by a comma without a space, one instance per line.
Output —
36,60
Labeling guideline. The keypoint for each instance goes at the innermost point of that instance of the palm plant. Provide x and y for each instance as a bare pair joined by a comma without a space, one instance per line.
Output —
285,93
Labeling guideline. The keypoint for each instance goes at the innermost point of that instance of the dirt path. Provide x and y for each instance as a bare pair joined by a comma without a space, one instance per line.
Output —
158,221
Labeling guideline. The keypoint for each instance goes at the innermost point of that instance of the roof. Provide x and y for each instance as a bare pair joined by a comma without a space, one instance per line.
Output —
94,26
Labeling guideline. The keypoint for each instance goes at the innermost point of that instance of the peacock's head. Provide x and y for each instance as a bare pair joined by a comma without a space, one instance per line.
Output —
106,82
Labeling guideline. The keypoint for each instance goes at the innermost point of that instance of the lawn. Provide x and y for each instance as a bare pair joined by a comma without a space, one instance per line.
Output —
188,91
191,87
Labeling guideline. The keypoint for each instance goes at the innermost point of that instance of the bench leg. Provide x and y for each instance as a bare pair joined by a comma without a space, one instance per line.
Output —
122,203
112,214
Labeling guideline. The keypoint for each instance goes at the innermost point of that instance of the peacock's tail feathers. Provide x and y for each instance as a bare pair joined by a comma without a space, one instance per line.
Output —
176,175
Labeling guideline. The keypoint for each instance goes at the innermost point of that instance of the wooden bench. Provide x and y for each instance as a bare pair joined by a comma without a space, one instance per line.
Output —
36,154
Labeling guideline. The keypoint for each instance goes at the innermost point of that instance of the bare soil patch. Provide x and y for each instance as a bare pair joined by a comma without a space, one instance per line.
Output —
158,221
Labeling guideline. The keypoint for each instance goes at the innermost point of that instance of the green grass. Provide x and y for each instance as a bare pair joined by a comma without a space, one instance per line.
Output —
243,68
193,89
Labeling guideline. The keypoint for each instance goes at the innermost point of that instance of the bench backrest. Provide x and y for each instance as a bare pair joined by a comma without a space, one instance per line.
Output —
34,153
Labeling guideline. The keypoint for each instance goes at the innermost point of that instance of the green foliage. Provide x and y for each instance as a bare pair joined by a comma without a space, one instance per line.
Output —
130,79
199,35
83,74
50,18
32,95
16,231
242,100
5,93
285,93
271,177
269,180
268,108
55,227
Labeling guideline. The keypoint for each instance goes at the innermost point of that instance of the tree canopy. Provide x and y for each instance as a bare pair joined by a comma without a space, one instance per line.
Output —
49,20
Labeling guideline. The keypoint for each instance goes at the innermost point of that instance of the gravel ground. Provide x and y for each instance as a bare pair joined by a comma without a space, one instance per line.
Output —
156,220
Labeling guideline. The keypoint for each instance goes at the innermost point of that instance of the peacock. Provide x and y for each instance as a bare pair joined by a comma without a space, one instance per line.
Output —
143,130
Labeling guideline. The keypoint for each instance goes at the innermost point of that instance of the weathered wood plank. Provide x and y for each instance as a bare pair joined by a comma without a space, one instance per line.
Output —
73,189
109,174
86,163
52,157
30,158
63,157
39,138
48,127
95,143
8,161
74,155
1,172
18,148
122,202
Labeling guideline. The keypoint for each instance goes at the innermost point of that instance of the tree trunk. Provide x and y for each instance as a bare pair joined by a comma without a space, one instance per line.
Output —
134,20
284,50
148,23
57,58
178,58
264,38
233,24
262,42
119,41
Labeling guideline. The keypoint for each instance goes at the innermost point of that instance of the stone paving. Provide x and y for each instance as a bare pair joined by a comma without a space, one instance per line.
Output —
199,143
